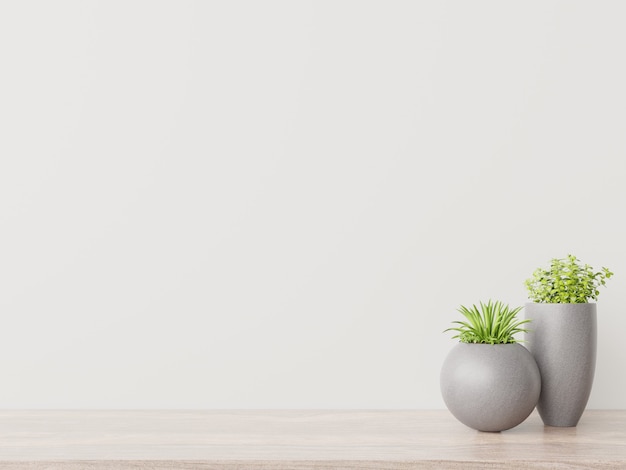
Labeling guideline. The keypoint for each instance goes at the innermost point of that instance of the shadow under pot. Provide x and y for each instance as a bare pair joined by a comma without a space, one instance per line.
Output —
563,341
490,387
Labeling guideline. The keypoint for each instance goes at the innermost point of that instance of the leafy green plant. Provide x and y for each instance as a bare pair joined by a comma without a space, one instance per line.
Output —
493,323
566,281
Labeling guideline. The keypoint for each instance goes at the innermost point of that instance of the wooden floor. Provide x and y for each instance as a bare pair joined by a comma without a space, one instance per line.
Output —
232,440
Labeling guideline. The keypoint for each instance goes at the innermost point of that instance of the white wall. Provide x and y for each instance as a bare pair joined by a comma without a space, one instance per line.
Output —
281,204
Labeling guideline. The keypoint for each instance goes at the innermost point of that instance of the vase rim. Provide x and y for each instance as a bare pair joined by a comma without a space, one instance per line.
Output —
489,344
561,303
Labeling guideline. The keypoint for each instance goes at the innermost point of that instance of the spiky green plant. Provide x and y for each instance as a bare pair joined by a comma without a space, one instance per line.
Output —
493,323
566,281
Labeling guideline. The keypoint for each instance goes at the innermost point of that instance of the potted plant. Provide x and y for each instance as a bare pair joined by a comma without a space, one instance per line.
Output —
489,381
563,339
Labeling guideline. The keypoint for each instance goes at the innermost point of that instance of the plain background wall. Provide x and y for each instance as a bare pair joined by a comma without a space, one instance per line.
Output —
281,204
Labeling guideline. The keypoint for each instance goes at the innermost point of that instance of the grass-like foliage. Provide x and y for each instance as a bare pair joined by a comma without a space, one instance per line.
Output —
566,281
492,323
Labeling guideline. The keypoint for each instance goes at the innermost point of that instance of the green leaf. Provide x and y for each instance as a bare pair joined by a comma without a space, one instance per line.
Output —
490,323
566,281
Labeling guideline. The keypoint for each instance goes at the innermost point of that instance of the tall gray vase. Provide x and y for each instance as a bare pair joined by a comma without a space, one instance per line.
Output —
562,339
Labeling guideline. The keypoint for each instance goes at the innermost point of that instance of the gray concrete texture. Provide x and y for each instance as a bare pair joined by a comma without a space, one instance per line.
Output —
563,341
490,387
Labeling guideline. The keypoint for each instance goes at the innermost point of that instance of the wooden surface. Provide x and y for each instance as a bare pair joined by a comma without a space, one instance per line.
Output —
300,440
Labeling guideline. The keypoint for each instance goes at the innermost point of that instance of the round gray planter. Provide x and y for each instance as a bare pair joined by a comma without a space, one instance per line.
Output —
490,387
563,341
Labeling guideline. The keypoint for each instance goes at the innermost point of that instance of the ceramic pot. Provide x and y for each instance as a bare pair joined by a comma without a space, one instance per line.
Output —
563,342
490,387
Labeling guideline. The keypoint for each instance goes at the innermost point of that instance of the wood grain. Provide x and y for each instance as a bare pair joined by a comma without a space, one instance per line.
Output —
300,440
